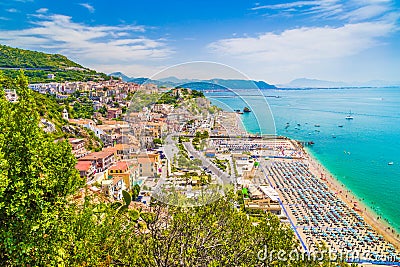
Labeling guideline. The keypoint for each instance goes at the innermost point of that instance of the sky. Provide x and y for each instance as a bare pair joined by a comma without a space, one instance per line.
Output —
274,41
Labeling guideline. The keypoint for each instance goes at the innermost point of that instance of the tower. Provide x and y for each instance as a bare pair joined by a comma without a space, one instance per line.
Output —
65,114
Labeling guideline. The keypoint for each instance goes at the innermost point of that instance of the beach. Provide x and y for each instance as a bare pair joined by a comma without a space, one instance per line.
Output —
322,213
339,214
381,226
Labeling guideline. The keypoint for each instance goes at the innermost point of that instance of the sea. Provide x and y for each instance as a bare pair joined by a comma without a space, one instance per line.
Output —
363,153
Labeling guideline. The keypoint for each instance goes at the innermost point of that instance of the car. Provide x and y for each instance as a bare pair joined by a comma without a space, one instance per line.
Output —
191,157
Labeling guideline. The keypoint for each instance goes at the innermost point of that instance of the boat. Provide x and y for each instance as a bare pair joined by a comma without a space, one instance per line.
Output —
317,125
238,111
349,117
246,109
390,163
341,126
333,136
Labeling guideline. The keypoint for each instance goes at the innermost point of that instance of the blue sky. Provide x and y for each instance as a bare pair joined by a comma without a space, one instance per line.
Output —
275,41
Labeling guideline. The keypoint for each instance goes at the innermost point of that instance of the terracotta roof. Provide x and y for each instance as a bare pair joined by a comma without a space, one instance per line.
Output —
120,165
83,165
110,148
97,155
146,160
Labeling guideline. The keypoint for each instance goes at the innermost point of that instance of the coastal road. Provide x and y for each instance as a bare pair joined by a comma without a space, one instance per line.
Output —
169,147
225,178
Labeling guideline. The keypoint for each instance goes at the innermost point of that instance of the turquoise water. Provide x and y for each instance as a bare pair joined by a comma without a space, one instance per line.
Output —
361,150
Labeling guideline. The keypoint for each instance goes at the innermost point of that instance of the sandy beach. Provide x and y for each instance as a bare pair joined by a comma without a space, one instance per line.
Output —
381,226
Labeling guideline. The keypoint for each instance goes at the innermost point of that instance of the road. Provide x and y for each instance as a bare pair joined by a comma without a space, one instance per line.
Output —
169,147
225,178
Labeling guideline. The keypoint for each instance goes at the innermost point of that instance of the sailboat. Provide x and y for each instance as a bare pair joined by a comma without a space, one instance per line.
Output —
349,117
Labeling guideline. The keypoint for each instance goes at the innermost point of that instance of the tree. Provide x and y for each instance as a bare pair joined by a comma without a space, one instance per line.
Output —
40,174
157,141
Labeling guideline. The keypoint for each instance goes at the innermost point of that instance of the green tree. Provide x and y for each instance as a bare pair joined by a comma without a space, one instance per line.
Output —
39,174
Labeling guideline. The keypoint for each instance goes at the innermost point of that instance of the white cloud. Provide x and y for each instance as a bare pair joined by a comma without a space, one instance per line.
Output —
306,44
319,52
88,7
42,10
12,10
286,5
366,12
87,44
353,10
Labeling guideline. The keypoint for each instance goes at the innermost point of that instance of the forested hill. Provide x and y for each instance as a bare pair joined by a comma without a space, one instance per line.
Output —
38,66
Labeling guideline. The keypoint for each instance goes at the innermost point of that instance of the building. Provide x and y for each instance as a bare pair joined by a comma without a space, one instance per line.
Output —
263,197
114,113
78,147
86,169
11,95
65,114
122,151
126,171
102,160
113,187
149,165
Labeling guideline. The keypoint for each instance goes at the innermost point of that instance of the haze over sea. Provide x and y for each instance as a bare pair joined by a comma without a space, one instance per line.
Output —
357,153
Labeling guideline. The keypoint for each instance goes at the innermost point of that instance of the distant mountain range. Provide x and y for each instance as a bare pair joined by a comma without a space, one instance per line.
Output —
199,84
314,83
301,83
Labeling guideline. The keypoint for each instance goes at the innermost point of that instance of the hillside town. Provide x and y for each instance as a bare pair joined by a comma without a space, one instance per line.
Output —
173,146
177,140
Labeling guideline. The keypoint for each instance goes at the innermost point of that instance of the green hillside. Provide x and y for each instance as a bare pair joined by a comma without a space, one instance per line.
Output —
38,65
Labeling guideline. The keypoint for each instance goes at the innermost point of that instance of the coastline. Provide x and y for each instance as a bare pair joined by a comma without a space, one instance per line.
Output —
346,195
381,226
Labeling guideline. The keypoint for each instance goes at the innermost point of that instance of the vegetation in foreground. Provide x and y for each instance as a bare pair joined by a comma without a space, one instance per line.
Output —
45,220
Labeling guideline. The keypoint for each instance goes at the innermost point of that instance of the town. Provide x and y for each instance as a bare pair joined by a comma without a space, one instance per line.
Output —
171,145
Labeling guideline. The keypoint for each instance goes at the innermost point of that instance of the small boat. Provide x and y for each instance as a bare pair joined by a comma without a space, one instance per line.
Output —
317,125
390,163
340,126
349,117
246,109
333,136
298,124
